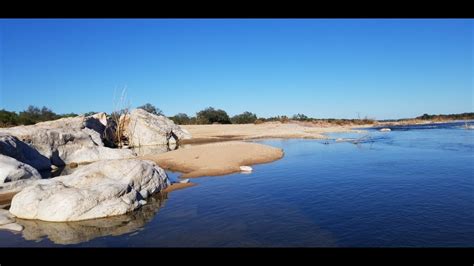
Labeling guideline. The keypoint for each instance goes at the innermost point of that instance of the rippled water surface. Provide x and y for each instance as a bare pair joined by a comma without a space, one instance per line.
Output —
413,186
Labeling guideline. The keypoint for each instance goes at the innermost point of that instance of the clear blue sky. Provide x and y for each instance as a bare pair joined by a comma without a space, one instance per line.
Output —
320,67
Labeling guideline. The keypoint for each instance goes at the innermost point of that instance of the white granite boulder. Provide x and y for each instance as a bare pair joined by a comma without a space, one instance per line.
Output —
143,128
101,189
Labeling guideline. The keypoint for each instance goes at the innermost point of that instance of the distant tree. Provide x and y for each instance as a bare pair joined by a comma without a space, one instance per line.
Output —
47,114
211,116
68,115
150,108
244,118
90,113
33,115
8,119
283,119
300,117
425,116
181,119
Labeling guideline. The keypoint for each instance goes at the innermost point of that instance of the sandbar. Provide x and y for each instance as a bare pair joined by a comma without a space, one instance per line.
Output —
214,159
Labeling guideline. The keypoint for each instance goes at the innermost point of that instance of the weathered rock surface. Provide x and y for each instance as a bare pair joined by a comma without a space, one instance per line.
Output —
13,147
93,154
100,189
143,128
12,170
82,231
67,140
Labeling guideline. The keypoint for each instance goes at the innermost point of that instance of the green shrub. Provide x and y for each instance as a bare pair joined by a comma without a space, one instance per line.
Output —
181,119
150,108
244,118
8,119
33,115
211,116
300,117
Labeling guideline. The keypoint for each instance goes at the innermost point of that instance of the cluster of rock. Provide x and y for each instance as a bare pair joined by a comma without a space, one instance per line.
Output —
115,185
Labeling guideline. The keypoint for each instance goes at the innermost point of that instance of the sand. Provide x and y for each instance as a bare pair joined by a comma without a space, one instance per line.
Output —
215,158
178,186
216,133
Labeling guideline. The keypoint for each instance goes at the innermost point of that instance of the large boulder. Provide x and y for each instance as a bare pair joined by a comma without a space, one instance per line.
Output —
13,147
12,170
82,231
65,140
142,128
101,189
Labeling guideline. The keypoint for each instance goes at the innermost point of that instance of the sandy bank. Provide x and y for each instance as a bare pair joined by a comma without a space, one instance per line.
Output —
216,158
213,133
178,186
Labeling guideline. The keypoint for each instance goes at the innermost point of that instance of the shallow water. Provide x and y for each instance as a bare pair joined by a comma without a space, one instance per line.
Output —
409,187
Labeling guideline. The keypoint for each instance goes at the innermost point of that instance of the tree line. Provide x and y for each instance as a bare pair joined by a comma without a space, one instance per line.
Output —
463,116
209,115
29,116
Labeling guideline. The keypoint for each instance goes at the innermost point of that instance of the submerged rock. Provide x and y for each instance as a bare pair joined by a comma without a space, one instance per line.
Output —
12,227
143,128
101,189
8,221
12,170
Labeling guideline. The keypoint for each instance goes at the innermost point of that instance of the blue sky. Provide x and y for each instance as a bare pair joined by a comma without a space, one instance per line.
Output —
320,67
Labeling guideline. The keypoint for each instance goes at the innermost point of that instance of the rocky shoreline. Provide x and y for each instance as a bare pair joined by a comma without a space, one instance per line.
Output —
113,182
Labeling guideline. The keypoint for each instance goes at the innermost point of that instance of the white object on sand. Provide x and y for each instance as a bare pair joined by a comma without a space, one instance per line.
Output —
245,168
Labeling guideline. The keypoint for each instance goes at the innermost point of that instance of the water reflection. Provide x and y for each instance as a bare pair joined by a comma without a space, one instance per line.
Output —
83,231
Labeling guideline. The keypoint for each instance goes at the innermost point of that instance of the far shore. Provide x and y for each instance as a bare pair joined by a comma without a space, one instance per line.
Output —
219,132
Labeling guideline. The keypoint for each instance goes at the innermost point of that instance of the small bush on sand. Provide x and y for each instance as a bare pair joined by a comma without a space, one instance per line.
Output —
212,116
244,118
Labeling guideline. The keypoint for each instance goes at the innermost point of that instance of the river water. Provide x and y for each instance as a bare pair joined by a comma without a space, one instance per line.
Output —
411,187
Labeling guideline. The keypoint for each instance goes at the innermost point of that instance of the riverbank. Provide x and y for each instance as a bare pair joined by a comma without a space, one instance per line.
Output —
215,158
217,133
